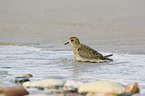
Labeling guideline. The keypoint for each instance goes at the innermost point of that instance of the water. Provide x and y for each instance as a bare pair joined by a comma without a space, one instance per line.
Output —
52,62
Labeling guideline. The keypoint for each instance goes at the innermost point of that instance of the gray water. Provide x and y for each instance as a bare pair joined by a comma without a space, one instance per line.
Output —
58,63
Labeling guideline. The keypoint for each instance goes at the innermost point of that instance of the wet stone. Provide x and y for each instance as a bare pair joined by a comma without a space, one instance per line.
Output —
55,87
28,75
101,87
132,88
46,83
21,80
13,91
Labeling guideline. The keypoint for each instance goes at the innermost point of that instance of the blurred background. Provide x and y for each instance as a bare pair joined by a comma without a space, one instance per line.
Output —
115,24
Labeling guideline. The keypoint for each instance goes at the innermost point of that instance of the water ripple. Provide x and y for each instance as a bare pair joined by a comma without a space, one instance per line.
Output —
19,60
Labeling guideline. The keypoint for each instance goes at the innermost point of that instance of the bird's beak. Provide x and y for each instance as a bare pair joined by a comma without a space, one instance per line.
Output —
66,43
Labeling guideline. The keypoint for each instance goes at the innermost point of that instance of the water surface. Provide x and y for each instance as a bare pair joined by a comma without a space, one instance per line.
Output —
59,63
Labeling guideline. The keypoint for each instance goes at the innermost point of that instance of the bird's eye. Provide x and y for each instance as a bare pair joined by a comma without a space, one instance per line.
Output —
72,40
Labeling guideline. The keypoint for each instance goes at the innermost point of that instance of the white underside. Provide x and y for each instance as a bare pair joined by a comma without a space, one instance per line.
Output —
78,58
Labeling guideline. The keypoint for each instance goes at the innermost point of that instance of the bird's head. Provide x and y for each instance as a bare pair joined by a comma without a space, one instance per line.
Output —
73,41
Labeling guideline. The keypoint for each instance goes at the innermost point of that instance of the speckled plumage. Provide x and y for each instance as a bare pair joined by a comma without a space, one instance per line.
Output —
85,53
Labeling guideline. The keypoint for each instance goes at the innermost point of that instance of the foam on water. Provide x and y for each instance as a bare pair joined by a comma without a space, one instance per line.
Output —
19,60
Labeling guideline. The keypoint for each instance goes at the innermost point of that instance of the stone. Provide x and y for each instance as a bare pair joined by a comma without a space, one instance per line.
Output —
28,75
101,87
21,80
132,88
13,91
72,85
47,83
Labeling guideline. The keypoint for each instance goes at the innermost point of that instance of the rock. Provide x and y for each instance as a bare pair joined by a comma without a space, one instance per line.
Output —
132,88
13,91
28,75
72,85
101,87
21,80
47,83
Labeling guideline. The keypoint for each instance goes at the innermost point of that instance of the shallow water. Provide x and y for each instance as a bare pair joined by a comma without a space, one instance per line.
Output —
59,63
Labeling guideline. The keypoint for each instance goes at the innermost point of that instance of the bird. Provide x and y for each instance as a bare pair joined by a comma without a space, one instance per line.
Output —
85,53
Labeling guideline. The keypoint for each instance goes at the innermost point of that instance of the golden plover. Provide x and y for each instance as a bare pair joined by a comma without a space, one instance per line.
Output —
85,53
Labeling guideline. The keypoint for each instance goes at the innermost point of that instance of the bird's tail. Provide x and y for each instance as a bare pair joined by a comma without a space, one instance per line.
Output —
106,57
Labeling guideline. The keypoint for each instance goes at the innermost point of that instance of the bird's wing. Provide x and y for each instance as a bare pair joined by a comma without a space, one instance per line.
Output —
87,52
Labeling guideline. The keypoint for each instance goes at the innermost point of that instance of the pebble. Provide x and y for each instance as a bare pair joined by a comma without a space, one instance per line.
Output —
101,87
13,91
46,83
22,79
97,88
132,88
28,75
